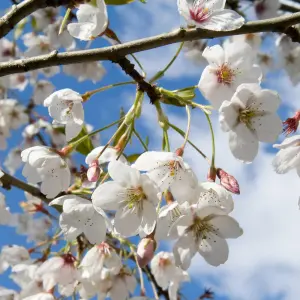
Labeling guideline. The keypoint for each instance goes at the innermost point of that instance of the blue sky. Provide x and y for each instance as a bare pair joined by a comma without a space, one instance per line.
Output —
264,263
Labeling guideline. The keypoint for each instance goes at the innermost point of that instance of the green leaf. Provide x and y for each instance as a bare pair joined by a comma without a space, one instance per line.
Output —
133,157
86,146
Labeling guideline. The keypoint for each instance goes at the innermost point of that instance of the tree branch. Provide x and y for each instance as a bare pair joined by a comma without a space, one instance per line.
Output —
20,11
116,52
8,181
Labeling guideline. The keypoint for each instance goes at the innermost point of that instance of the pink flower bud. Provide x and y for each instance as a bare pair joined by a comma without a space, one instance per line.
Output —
228,182
145,251
94,171
290,125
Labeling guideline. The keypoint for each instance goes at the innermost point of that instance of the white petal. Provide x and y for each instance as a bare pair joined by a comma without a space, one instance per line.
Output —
72,130
95,229
226,227
214,55
223,20
267,127
149,217
228,115
243,143
150,159
124,174
106,195
127,222
214,249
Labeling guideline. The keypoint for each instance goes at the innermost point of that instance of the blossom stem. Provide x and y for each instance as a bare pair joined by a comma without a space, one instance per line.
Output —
166,140
140,139
187,133
161,73
64,21
86,96
78,142
213,156
204,108
142,283
181,132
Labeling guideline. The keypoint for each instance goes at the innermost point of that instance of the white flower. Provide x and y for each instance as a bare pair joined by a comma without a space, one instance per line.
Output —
288,157
37,44
64,39
42,89
96,259
86,71
204,230
79,216
18,81
167,274
11,256
254,40
92,21
123,284
289,57
44,17
6,294
193,50
59,269
266,9
13,160
250,117
65,107
209,14
5,215
46,166
132,195
167,169
8,50
40,296
228,67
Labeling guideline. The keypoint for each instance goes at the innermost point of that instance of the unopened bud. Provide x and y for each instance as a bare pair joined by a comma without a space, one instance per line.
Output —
65,151
179,152
290,125
94,171
212,174
228,182
145,251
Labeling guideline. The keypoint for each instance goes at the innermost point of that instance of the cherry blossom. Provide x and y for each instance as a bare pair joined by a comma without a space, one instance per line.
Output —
228,67
42,89
254,40
167,274
167,169
40,296
92,21
13,161
44,17
266,9
65,107
48,167
288,157
209,14
5,215
193,51
8,50
11,256
57,269
132,195
204,230
250,117
99,257
79,216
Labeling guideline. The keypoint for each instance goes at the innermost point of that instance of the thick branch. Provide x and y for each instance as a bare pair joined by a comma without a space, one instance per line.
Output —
116,52
8,181
20,11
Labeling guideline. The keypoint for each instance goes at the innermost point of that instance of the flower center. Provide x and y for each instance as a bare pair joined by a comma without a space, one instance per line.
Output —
260,8
200,228
69,259
135,197
250,36
225,74
199,14
246,116
173,167
290,59
164,262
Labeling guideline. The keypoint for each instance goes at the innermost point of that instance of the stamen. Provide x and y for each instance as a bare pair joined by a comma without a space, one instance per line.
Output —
225,74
